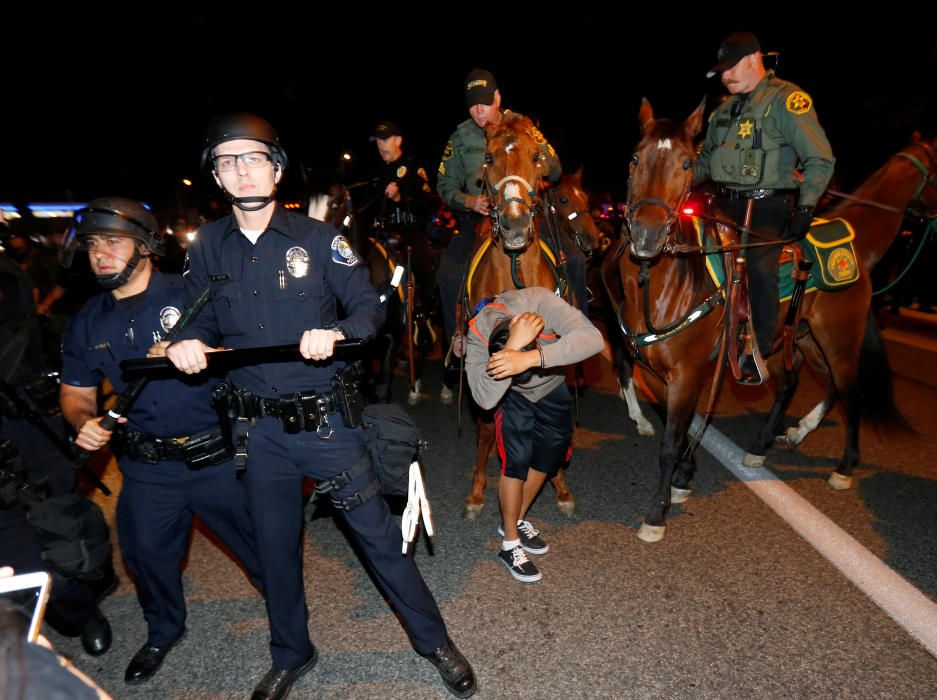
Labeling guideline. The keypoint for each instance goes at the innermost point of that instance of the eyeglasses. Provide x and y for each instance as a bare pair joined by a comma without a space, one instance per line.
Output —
252,159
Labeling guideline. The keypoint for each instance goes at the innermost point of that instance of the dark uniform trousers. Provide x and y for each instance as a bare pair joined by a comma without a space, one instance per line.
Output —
276,466
154,519
769,220
454,264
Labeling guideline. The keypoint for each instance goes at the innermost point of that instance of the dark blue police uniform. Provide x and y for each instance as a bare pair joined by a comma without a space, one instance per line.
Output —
291,281
157,501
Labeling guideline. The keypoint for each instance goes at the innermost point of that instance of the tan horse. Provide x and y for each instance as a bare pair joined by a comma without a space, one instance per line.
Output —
509,254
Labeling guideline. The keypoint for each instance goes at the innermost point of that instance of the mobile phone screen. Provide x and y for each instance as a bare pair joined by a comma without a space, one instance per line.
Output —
26,595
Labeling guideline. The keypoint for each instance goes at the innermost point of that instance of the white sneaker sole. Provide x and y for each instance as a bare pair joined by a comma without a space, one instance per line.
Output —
523,578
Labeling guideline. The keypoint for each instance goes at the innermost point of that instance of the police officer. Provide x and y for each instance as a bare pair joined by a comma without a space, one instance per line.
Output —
763,145
286,275
171,462
404,206
460,184
31,456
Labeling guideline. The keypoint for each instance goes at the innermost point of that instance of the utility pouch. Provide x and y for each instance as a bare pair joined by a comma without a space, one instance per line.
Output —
206,449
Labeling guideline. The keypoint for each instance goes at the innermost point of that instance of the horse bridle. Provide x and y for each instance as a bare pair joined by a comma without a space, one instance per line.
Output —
497,190
927,180
551,212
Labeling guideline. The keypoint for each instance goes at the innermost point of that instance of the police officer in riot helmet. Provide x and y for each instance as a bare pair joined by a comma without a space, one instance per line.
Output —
170,447
287,275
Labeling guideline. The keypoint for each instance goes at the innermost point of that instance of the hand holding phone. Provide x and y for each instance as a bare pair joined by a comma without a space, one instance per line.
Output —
29,594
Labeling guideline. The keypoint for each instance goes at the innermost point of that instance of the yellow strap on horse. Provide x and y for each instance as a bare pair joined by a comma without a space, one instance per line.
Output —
390,264
484,249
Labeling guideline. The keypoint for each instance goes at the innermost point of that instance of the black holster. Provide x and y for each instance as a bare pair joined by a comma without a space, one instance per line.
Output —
347,395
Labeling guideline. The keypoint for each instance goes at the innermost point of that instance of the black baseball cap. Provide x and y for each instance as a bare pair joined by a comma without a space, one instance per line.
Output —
385,130
480,88
733,49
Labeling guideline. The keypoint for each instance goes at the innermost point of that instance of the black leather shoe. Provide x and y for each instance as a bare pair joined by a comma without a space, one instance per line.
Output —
96,635
748,371
146,662
454,668
277,683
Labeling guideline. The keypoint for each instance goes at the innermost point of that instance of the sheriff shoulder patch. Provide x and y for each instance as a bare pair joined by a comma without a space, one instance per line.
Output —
342,252
798,102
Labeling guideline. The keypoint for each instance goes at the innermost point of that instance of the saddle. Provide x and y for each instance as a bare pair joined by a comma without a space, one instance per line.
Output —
824,260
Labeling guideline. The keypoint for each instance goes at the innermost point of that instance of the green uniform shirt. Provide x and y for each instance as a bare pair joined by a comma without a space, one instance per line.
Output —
774,134
460,170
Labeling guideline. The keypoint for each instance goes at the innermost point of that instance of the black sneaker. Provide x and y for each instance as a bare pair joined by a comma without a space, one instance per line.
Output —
530,538
519,565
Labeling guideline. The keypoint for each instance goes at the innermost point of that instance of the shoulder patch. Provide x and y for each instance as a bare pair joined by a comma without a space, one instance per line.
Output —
342,252
798,102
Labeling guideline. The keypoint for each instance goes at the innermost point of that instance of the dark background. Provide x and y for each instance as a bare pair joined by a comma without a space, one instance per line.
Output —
107,104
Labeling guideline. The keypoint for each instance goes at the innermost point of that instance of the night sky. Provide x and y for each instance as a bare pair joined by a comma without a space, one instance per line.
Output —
122,109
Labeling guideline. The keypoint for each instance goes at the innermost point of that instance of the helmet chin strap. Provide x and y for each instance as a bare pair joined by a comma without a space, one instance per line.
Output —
111,282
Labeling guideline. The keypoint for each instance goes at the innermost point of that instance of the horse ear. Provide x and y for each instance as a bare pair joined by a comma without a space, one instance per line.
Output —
577,176
694,122
645,116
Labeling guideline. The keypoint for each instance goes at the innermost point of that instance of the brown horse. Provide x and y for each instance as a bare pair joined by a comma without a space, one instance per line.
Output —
843,335
837,334
566,211
508,254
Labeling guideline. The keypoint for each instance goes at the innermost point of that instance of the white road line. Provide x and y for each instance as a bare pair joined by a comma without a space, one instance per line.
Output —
904,603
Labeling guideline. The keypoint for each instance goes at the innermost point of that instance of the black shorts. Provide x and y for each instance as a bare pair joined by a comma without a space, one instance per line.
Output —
534,435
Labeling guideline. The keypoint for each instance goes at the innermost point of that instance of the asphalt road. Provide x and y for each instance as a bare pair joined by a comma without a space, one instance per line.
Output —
731,603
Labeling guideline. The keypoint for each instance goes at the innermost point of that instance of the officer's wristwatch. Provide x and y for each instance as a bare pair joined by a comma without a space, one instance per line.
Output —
336,328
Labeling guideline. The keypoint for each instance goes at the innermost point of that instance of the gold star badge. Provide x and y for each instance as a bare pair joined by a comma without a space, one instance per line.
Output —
799,102
745,128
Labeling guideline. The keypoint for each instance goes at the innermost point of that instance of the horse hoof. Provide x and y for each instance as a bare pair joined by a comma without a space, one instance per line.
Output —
473,510
792,438
445,396
753,461
651,533
567,508
644,428
839,482
679,495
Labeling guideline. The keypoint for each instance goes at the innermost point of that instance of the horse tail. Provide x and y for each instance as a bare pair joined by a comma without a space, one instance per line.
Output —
875,383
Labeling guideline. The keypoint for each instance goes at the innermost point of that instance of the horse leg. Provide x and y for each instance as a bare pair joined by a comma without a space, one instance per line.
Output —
484,439
565,502
841,478
681,400
794,436
627,393
683,474
786,383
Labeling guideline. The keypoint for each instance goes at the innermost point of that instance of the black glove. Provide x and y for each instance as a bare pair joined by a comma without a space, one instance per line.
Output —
799,223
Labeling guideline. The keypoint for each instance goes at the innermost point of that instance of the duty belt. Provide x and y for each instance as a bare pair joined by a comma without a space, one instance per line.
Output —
146,449
761,193
299,411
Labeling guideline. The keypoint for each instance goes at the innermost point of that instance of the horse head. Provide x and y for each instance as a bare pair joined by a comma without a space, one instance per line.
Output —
922,152
660,177
570,203
512,170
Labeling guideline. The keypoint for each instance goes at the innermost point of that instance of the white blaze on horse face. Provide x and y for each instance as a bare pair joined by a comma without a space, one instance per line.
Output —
664,145
512,189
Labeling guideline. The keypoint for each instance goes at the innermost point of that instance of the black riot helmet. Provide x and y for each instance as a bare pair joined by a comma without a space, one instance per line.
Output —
231,127
114,216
